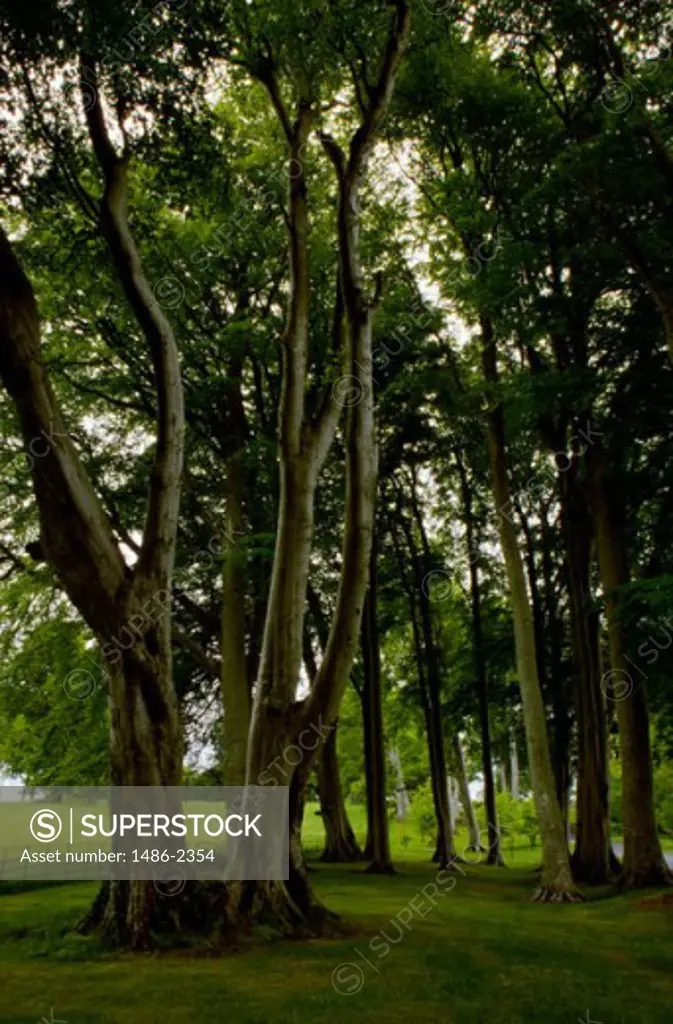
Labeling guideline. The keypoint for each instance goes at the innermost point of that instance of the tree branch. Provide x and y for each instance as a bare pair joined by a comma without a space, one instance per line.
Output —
155,563
76,535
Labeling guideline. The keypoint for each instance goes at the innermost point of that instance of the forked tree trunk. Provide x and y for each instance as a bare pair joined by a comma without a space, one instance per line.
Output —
590,861
341,845
77,539
278,721
643,862
556,880
147,667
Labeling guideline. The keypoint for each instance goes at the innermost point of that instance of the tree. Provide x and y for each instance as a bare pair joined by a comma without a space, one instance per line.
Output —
304,442
77,538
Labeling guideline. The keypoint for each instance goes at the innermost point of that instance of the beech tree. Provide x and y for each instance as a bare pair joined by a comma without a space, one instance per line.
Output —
334,309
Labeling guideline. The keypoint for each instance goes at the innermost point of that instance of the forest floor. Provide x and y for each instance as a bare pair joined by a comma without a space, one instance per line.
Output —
482,951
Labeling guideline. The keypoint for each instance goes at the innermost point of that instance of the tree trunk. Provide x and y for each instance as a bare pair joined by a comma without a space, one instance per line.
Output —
79,542
440,802
340,842
278,721
127,609
590,859
446,854
493,833
428,666
377,850
341,846
451,797
401,795
546,629
464,793
514,763
561,756
558,681
556,880
146,749
502,771
234,681
643,861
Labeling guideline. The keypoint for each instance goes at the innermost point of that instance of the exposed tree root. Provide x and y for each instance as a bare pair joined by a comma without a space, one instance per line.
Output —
140,916
547,895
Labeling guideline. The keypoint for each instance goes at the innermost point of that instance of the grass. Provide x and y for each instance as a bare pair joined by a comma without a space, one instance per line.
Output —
484,951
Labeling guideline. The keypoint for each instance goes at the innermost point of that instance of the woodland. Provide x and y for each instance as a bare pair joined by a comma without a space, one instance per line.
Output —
336,344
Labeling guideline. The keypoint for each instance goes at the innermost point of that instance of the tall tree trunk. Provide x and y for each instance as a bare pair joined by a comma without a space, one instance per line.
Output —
421,671
590,862
430,683
556,880
546,628
277,719
117,602
144,682
378,839
643,862
481,679
558,680
446,853
235,683
590,859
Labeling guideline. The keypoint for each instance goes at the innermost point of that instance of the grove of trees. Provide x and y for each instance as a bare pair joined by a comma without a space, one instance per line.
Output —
336,346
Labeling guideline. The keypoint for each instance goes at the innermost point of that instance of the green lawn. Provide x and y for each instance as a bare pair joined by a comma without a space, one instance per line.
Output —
484,952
